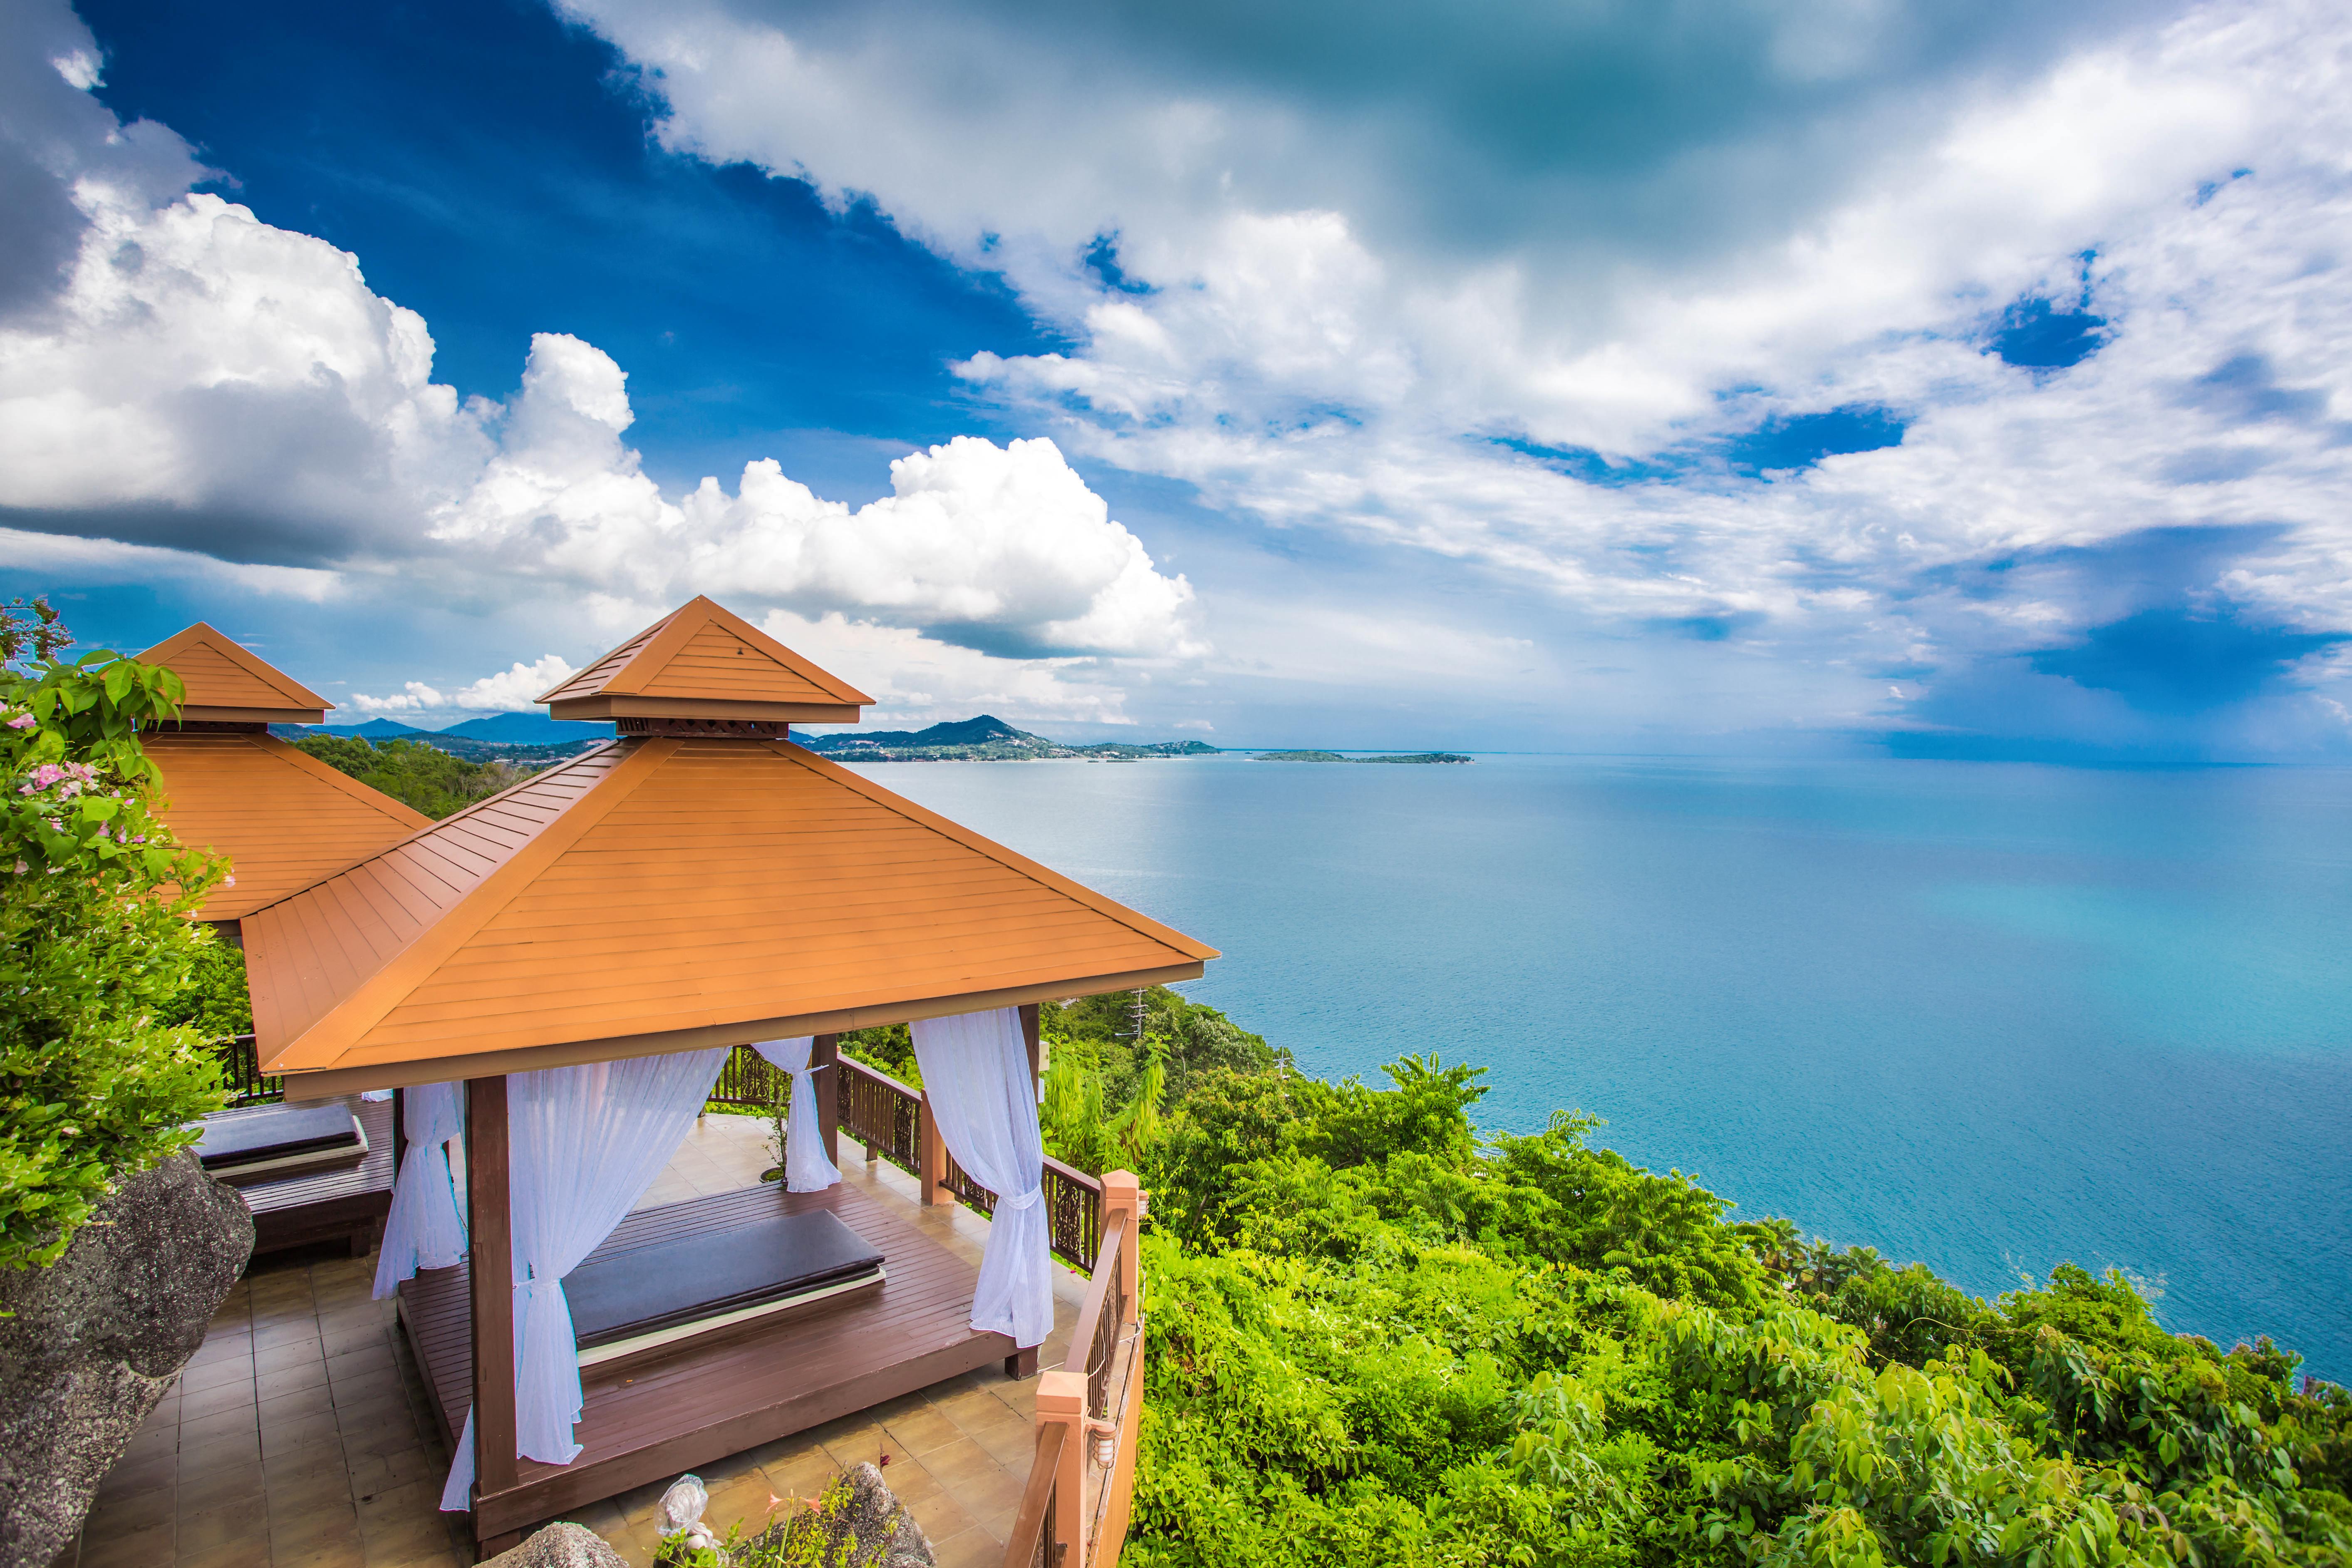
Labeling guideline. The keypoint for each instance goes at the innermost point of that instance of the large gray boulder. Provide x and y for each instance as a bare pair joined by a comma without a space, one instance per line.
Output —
560,1546
96,1338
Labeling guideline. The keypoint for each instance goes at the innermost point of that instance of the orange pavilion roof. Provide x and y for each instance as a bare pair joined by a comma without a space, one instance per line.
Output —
228,683
702,661
284,819
663,893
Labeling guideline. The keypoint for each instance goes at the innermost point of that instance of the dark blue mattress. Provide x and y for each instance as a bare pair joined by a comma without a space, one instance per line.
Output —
670,1283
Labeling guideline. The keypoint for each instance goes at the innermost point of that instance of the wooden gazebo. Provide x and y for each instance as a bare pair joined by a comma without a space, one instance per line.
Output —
284,818
698,882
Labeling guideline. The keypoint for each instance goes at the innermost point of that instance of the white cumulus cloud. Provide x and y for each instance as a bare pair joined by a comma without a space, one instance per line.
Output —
179,376
509,690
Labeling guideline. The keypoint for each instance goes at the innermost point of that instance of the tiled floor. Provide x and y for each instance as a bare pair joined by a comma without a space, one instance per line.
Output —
300,1434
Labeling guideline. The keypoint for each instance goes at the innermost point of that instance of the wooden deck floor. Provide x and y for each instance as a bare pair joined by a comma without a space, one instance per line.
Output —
648,1421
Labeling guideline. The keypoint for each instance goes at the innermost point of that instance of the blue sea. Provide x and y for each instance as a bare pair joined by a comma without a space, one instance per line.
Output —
1990,1017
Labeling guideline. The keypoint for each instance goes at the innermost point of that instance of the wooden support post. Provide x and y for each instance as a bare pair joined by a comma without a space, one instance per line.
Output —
824,1052
1062,1397
490,1225
399,1128
1030,1037
1122,1199
934,1160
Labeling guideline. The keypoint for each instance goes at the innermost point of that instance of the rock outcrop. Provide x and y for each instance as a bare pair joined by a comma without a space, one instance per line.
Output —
93,1340
560,1546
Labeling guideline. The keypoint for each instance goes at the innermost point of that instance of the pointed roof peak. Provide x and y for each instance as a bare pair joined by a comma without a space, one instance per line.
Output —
226,681
704,661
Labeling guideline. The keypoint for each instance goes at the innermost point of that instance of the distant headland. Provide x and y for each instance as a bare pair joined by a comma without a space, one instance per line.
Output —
986,739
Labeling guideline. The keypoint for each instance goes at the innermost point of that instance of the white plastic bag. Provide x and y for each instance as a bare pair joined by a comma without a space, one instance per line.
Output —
681,1509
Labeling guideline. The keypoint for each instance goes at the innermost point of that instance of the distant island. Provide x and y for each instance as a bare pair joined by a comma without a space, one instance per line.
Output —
986,739
1336,757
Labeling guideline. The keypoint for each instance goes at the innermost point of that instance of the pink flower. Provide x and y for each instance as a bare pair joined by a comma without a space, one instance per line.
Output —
228,881
21,722
22,867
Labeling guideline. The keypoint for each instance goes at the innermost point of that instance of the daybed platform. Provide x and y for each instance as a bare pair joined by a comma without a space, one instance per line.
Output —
343,1200
650,1417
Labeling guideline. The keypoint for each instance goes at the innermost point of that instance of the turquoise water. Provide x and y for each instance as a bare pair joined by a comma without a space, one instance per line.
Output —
1986,1015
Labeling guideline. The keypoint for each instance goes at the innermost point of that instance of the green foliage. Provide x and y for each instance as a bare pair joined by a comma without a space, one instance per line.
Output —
889,1048
215,1002
413,771
1376,1338
1115,1062
95,941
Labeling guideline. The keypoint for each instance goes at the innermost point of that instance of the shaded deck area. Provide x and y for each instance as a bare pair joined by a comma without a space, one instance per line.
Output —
303,1433
724,1392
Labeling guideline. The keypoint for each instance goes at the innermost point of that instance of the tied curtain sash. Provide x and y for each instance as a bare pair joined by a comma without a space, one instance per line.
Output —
976,1077
807,1167
585,1144
426,1227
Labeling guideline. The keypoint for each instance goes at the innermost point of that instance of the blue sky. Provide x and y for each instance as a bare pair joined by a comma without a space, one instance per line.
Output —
1954,380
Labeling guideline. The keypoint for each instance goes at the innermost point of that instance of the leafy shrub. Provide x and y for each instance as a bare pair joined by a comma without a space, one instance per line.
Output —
95,940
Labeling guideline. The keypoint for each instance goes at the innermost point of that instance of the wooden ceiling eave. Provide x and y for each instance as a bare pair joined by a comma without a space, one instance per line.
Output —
341,1079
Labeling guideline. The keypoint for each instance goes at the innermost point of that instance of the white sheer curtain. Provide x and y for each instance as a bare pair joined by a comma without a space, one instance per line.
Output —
976,1075
426,1227
807,1167
584,1145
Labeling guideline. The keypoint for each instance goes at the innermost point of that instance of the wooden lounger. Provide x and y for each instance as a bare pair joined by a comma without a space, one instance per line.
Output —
650,1299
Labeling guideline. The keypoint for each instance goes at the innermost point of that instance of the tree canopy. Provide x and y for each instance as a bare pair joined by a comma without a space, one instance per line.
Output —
1379,1337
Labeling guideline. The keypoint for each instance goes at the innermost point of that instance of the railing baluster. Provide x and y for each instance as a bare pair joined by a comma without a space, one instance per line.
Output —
240,1062
875,1108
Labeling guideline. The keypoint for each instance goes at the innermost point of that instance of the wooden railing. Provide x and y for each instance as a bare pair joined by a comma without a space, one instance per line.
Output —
750,1079
893,1123
1073,1203
1032,1542
883,1114
240,1060
1074,1514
